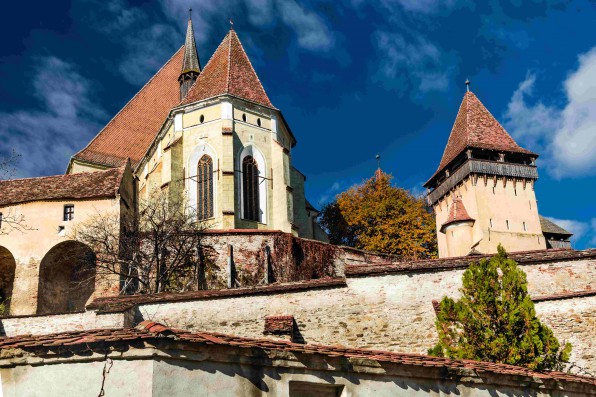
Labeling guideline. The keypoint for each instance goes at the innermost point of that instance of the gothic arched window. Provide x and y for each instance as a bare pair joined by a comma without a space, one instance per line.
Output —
250,188
205,188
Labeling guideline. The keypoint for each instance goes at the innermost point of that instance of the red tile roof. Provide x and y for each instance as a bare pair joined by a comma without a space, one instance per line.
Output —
457,213
153,333
84,185
229,71
522,258
130,133
476,127
121,303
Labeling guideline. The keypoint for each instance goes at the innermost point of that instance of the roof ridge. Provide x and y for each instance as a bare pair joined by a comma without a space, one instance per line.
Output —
252,68
229,60
202,71
127,103
57,176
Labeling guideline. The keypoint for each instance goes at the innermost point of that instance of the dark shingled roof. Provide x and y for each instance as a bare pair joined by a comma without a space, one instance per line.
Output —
229,71
191,62
153,333
550,227
476,127
130,133
84,185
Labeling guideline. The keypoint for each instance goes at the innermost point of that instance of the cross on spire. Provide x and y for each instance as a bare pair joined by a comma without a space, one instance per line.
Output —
468,85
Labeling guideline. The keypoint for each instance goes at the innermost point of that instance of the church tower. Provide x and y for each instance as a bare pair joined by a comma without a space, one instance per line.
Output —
483,190
191,66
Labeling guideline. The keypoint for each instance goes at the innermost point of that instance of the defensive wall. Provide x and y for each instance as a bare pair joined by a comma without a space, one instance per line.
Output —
362,301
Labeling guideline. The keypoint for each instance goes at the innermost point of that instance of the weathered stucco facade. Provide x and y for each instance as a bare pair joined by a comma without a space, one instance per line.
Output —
41,251
157,360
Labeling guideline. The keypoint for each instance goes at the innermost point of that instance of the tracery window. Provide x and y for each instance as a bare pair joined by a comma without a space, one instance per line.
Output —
250,189
205,187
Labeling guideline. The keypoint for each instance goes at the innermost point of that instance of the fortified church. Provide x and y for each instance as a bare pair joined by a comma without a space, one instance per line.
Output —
309,319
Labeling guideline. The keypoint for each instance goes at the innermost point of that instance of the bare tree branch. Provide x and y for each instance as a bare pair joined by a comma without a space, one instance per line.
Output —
154,250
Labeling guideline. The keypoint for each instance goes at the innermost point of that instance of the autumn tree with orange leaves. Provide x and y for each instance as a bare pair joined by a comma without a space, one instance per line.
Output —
378,216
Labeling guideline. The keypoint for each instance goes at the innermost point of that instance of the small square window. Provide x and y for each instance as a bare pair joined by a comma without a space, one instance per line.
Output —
68,212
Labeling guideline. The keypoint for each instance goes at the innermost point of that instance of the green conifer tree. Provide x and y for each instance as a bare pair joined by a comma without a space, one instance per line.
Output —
495,320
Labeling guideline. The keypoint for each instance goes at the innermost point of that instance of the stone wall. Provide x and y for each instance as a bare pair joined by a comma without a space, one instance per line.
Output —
389,312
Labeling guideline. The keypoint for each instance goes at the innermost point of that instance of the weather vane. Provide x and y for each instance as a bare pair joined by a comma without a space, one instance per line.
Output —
468,85
378,157
190,13
231,23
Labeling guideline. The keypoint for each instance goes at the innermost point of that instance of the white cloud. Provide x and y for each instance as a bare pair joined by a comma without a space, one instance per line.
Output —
311,31
310,28
579,229
330,193
565,137
50,136
150,42
421,61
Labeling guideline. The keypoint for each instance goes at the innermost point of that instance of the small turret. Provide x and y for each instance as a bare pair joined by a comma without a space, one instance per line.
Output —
191,66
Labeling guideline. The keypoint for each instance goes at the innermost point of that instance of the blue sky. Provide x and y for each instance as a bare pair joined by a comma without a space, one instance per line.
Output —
353,78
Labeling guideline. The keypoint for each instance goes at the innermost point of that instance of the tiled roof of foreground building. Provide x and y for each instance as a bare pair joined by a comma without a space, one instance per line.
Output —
85,185
476,127
229,71
131,131
151,333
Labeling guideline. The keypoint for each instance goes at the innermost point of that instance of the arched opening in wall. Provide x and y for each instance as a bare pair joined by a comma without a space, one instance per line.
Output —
7,271
250,189
205,187
66,278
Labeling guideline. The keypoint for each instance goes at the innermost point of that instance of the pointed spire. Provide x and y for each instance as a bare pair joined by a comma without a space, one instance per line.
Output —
476,127
191,66
229,71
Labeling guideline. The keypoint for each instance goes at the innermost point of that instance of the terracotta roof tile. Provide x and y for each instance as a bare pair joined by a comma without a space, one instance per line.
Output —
152,332
84,185
229,71
457,213
130,133
524,257
476,127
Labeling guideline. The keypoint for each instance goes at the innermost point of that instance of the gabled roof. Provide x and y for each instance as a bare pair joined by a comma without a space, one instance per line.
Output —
130,133
476,127
229,71
84,185
457,213
550,227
